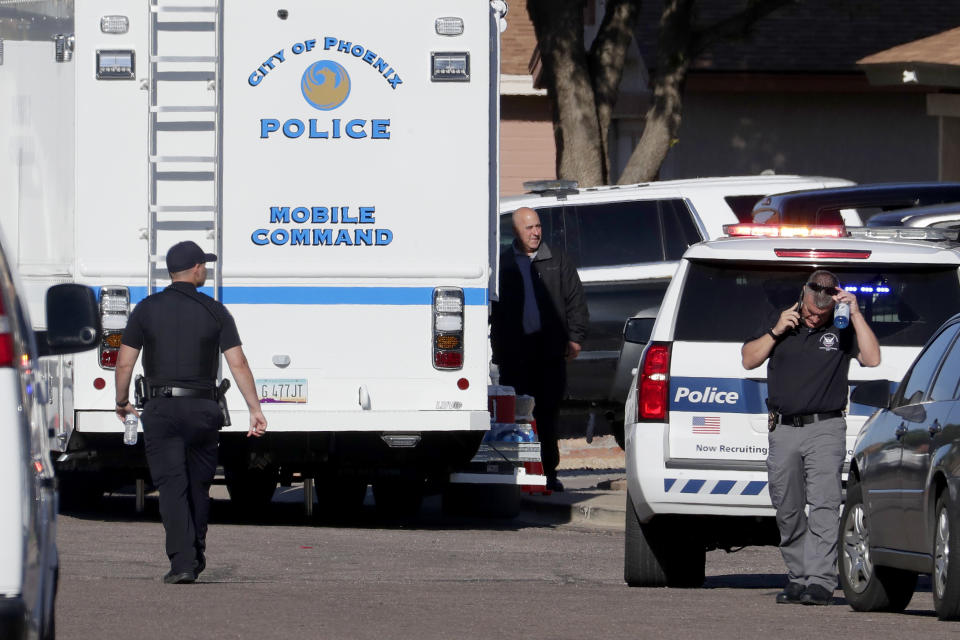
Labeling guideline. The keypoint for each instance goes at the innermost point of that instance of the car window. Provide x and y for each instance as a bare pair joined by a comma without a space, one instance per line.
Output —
945,386
615,233
727,301
742,206
917,381
679,230
550,220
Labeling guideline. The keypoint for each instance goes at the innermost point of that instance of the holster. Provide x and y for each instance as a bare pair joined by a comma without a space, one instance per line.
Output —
222,401
139,391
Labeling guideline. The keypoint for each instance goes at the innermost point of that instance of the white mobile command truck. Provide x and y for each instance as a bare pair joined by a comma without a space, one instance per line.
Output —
342,161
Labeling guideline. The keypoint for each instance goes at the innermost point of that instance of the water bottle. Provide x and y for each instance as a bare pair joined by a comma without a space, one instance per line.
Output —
841,315
130,428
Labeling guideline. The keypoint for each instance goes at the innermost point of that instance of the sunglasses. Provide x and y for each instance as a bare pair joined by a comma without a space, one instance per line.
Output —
817,288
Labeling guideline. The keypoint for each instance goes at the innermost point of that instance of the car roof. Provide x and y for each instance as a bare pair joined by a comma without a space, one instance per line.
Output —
734,185
881,251
899,217
796,206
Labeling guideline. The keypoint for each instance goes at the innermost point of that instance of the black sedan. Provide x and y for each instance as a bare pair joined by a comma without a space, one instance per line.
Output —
902,512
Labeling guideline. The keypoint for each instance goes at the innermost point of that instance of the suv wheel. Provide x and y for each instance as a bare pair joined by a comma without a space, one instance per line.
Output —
946,560
661,553
866,586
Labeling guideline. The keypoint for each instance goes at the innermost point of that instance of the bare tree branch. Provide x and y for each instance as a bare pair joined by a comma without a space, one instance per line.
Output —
663,116
734,26
584,87
607,56
559,28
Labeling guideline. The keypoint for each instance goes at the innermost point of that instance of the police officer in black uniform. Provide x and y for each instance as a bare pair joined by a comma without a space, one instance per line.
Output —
182,333
807,393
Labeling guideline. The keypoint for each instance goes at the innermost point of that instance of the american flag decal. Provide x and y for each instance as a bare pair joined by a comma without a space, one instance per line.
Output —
709,425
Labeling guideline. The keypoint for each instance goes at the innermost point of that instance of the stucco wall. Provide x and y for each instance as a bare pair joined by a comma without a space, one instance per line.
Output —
865,137
527,148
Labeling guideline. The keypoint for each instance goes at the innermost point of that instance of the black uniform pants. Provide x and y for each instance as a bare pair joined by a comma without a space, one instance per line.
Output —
537,372
180,438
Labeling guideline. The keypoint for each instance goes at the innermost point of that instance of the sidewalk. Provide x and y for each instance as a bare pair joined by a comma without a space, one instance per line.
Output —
594,479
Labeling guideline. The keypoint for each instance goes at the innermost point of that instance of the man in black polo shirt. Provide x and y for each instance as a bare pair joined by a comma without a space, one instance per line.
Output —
182,333
807,393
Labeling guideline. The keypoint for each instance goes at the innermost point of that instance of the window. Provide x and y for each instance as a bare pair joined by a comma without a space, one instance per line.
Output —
618,233
679,230
727,302
914,386
550,221
742,206
945,387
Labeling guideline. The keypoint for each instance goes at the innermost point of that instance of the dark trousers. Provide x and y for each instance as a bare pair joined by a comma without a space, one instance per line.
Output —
543,375
180,438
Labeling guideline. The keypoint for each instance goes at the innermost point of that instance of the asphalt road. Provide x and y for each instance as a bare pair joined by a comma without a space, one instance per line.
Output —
283,576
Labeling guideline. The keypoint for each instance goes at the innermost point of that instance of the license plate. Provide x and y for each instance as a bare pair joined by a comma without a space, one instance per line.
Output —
291,391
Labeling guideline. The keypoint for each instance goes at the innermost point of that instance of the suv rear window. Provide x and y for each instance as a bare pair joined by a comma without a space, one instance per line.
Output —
631,232
726,302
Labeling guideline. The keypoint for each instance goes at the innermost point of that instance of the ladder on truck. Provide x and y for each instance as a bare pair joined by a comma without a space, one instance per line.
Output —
185,131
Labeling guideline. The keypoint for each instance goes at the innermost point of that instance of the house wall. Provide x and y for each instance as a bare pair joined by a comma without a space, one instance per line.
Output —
527,147
865,137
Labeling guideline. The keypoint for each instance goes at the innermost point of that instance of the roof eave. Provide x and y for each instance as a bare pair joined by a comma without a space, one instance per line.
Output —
912,74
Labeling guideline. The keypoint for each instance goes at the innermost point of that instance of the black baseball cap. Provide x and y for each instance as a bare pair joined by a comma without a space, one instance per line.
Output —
184,255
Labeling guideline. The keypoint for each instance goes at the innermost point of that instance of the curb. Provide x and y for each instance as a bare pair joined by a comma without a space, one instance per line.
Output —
596,511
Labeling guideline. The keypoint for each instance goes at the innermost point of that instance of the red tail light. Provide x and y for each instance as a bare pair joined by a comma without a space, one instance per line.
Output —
447,359
114,310
844,254
108,358
653,383
6,338
448,328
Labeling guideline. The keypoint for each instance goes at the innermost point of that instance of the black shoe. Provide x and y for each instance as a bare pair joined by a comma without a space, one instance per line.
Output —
186,577
199,564
792,594
553,484
815,594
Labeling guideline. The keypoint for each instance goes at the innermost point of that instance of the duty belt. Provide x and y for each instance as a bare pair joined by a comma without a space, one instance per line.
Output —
167,391
801,419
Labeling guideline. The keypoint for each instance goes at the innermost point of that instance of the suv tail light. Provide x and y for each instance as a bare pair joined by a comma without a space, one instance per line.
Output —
653,383
114,311
447,328
6,338
843,254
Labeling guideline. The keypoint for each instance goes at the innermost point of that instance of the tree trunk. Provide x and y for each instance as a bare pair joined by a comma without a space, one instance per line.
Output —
559,28
664,114
608,53
680,42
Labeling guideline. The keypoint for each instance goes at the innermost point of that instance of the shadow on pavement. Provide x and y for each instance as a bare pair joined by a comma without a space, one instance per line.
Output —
120,507
746,581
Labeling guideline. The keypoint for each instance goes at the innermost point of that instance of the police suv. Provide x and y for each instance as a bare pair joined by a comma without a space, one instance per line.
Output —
696,422
28,498
626,242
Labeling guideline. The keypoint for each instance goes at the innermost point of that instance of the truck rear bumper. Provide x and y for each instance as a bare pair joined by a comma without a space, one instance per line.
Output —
285,419
433,451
